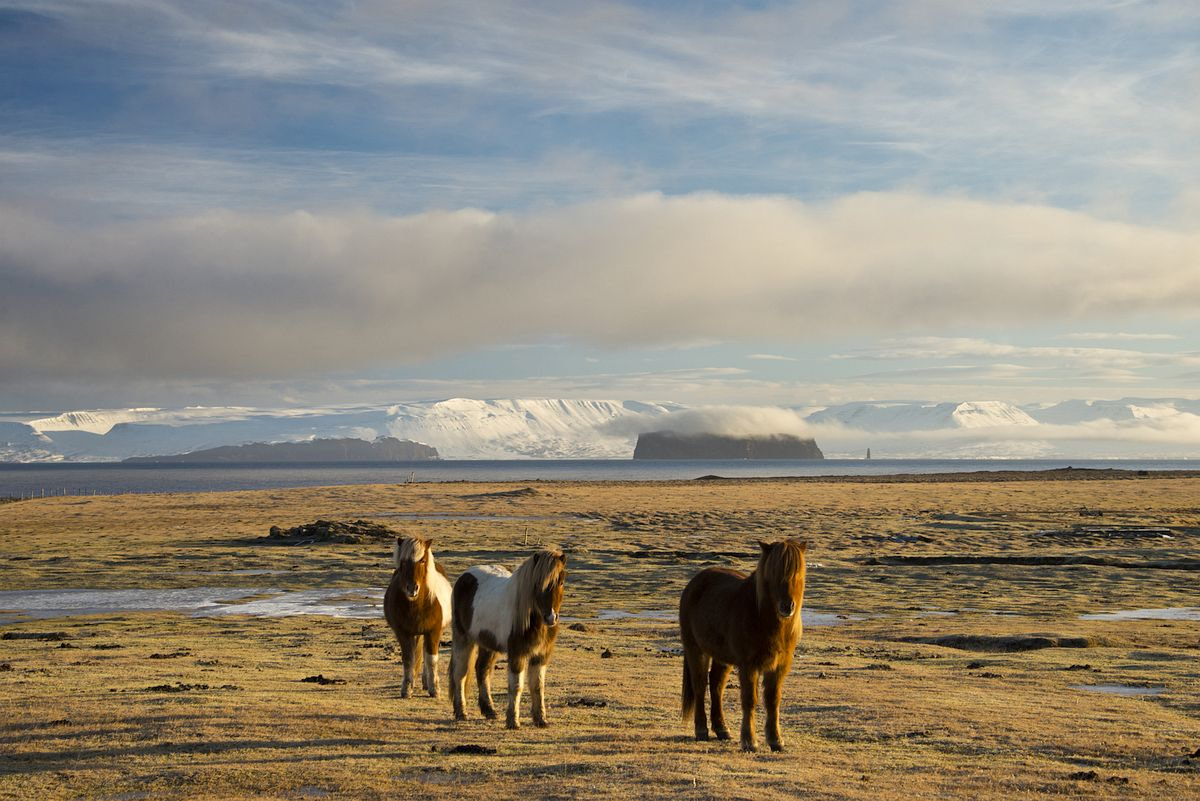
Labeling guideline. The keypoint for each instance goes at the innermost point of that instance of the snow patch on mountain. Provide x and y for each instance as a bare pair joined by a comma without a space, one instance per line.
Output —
465,428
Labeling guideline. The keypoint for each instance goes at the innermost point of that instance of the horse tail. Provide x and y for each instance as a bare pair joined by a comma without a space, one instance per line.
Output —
688,694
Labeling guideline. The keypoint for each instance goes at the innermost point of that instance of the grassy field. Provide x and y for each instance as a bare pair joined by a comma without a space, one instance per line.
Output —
880,706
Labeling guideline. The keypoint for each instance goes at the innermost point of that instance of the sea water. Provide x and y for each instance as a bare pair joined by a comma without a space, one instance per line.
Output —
36,480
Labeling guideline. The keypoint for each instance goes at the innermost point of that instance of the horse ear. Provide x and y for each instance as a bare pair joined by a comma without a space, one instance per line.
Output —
766,546
562,557
803,546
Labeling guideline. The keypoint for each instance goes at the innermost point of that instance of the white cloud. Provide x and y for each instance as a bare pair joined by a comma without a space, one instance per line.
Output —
1091,358
234,295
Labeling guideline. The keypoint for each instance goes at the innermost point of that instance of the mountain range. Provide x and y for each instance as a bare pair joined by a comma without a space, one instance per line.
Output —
462,428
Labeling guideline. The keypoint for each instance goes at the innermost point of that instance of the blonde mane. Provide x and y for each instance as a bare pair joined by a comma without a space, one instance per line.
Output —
780,564
534,575
413,548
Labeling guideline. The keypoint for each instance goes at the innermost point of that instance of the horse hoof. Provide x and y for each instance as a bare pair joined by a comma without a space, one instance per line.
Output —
777,746
490,714
433,693
702,736
541,724
405,693
722,734
748,745
459,716
511,724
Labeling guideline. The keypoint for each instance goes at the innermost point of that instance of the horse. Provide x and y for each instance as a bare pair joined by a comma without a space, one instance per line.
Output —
417,604
728,619
515,614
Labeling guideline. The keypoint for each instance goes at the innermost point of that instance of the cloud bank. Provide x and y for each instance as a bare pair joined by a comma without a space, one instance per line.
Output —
231,295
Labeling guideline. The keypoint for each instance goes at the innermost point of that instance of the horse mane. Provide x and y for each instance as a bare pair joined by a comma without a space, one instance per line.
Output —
534,574
779,562
413,548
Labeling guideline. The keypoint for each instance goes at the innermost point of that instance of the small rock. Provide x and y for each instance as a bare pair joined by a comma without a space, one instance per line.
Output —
975,665
472,748
1084,776
578,627
606,654
321,680
595,703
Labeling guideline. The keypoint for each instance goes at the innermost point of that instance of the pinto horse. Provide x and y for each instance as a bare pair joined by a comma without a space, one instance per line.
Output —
515,614
417,604
728,620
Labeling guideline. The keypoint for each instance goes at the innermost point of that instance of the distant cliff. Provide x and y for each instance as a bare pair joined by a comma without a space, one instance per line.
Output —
669,445
384,449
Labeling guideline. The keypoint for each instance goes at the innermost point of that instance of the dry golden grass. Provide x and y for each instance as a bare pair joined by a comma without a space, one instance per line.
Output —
866,715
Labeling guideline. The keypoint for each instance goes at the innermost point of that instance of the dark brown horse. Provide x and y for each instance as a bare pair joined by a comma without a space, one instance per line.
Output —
515,614
417,604
727,620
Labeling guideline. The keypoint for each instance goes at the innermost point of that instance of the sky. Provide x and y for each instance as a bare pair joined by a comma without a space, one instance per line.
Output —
756,203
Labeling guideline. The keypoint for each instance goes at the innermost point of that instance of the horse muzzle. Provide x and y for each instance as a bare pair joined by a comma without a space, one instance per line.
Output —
551,619
411,593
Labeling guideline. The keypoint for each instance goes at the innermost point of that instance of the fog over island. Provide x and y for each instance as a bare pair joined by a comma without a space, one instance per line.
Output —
959,229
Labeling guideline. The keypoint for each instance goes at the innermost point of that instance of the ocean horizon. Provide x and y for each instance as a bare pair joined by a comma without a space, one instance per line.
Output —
37,479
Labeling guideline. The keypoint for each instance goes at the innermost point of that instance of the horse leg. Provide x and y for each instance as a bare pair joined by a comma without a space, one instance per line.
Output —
749,681
772,690
483,677
516,684
717,677
537,696
697,663
462,658
429,677
408,653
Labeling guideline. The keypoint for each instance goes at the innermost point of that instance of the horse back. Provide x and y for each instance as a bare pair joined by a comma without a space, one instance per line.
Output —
718,614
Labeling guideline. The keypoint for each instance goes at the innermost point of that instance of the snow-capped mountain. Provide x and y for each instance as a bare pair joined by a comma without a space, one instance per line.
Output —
459,428
462,428
1128,428
896,416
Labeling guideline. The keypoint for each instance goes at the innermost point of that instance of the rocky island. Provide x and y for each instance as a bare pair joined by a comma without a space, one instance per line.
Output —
383,449
671,445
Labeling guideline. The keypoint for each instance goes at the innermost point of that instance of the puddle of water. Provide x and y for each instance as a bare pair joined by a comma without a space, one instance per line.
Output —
45,604
1166,613
1119,689
356,602
363,602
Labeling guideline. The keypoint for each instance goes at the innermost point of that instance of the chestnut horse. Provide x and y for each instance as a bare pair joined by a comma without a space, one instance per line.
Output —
515,614
417,604
728,620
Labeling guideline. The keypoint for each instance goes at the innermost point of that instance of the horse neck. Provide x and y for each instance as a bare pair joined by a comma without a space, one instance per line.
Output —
518,601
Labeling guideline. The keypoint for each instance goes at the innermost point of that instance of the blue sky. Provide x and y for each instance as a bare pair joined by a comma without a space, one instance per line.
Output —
747,203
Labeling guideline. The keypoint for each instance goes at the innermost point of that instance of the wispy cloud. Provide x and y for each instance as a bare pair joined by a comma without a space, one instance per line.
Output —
1118,336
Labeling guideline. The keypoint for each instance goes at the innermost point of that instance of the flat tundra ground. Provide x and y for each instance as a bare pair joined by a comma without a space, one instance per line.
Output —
961,664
